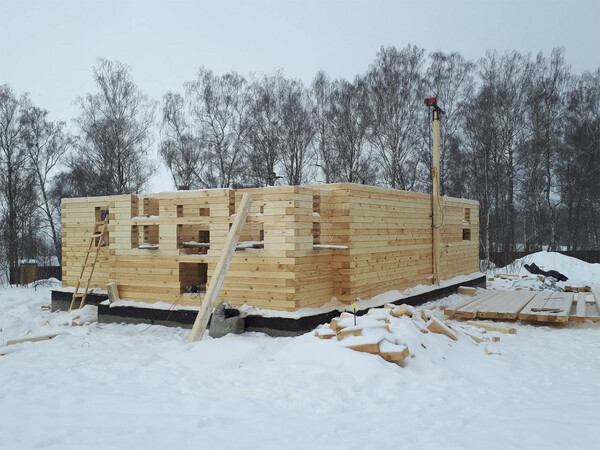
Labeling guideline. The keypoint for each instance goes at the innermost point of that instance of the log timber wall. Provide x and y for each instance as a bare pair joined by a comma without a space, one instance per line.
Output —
386,233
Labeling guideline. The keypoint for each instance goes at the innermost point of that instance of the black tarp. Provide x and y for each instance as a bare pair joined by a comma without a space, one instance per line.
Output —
533,268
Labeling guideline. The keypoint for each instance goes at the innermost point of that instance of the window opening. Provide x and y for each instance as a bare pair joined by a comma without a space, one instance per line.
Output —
467,216
193,278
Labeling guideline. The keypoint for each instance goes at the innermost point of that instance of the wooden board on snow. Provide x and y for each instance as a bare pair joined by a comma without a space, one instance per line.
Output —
585,307
451,309
466,290
505,305
392,352
436,326
468,309
548,307
487,327
37,338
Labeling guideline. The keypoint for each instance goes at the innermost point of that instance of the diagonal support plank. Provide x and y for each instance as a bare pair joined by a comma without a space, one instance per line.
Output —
216,281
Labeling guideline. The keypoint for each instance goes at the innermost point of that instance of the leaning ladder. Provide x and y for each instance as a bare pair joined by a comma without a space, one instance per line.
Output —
97,241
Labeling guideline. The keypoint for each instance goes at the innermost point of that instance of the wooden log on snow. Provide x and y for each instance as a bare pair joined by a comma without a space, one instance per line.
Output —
420,325
436,326
473,339
466,290
324,333
41,337
392,352
492,327
402,310
350,331
357,330
363,344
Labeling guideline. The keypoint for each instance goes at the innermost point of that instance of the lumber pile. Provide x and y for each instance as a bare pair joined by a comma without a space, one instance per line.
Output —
536,306
379,332
577,289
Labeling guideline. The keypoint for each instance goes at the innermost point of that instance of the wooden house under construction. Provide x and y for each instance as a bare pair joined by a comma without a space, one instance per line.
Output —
300,246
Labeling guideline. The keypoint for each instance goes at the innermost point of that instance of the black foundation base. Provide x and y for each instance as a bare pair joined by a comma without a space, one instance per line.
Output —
61,300
274,326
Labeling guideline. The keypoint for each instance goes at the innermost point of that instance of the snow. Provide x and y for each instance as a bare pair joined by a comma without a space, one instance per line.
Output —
249,244
330,246
149,218
146,305
51,261
137,386
148,246
27,261
578,272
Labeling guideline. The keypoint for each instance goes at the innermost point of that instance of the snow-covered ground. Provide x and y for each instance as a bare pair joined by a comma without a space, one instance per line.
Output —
112,386
578,272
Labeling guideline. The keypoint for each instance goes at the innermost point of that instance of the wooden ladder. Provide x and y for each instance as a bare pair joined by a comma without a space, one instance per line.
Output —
97,241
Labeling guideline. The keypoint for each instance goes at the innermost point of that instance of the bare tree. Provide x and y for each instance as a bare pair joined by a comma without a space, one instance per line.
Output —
218,105
350,119
264,129
579,172
115,133
450,78
497,127
396,97
181,150
297,129
46,144
17,193
547,101
326,157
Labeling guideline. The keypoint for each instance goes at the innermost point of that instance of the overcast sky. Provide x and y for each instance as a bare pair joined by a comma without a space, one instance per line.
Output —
48,48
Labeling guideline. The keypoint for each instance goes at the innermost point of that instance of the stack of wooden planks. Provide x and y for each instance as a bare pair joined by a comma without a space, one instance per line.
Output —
544,306
369,335
381,331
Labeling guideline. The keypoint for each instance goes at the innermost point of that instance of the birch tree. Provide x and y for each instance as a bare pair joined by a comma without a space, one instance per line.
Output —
46,143
115,134
218,105
395,88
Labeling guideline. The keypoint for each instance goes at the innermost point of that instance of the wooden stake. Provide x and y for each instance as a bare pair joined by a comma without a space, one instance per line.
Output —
435,197
216,281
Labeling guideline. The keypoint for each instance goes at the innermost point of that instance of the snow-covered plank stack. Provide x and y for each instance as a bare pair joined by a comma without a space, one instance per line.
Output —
380,332
369,334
